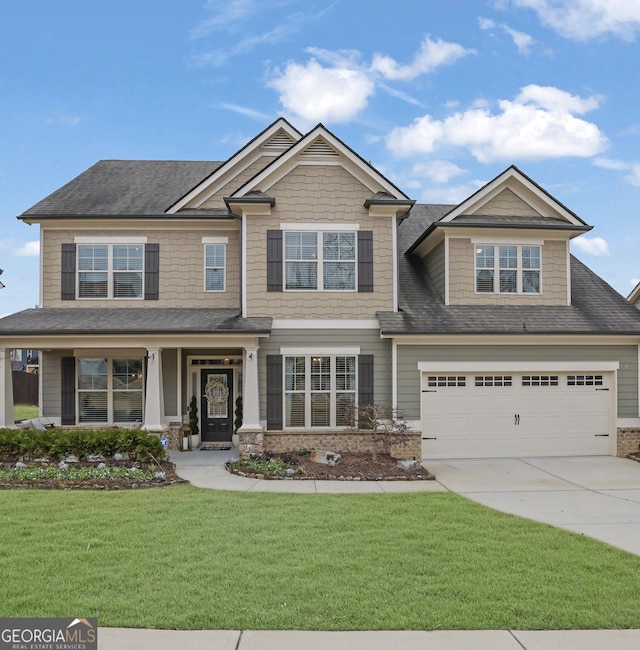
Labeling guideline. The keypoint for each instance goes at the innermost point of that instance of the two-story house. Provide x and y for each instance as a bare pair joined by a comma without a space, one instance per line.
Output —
297,276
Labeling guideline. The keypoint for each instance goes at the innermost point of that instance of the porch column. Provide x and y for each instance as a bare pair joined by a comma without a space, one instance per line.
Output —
154,397
6,392
251,397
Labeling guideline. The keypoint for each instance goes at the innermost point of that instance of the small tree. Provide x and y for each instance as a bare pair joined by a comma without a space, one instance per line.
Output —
193,416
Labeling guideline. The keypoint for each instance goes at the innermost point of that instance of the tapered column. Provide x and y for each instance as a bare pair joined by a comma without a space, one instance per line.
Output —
154,398
6,390
251,397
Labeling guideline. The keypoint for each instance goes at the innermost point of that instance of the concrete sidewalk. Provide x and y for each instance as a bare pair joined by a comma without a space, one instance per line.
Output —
127,639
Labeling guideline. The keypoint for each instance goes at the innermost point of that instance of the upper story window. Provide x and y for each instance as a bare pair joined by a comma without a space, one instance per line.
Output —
214,267
507,268
110,270
323,261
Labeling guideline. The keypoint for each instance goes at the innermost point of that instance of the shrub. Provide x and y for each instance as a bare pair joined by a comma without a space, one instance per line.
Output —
58,443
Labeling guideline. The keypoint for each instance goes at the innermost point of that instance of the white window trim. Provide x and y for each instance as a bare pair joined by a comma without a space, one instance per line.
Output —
332,392
319,261
109,389
224,268
518,366
519,269
110,242
215,240
320,227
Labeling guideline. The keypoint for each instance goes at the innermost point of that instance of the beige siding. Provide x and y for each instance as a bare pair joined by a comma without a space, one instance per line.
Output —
410,355
217,200
462,277
507,203
319,195
435,265
181,269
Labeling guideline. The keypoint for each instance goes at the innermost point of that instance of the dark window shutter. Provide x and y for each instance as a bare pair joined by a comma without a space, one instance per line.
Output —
68,390
365,379
274,392
68,275
365,261
151,271
274,260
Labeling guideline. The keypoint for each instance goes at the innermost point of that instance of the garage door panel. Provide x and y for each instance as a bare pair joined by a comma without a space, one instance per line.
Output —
533,415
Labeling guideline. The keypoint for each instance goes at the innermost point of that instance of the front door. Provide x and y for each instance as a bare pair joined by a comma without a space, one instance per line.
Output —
216,406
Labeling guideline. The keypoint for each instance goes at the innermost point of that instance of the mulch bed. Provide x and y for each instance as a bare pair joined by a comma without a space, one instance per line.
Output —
126,483
352,467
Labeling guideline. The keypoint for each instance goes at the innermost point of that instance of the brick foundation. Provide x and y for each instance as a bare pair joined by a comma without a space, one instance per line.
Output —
405,446
628,440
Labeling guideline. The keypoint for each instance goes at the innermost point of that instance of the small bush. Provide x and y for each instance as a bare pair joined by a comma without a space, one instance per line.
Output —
58,443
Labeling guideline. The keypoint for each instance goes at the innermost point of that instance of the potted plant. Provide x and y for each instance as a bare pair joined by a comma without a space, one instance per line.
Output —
193,423
237,423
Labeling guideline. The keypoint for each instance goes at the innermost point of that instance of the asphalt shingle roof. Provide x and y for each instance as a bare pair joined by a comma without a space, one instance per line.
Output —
596,308
143,320
124,187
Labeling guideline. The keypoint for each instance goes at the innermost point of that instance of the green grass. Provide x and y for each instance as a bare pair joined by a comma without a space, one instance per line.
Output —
25,412
186,558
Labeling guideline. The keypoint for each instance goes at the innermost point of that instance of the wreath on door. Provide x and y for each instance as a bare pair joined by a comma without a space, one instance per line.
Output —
216,391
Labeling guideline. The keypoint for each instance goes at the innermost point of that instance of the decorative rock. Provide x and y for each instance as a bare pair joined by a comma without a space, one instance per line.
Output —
290,472
71,459
119,456
95,458
408,464
160,476
19,465
325,457
101,466
62,465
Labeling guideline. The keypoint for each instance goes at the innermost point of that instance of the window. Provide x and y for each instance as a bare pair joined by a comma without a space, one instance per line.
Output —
320,391
214,267
539,380
110,270
516,268
441,381
109,390
320,261
493,381
585,380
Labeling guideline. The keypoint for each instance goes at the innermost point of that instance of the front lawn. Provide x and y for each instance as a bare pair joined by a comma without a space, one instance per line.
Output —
187,558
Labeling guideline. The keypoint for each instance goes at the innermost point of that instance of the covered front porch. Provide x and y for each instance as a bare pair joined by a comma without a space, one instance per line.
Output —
93,376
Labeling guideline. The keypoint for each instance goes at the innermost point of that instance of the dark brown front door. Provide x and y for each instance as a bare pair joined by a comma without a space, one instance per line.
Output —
216,405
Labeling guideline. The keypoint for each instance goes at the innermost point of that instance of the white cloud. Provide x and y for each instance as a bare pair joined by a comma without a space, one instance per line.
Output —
538,124
634,281
226,15
244,110
431,55
318,94
634,176
30,249
592,246
610,163
451,195
524,42
584,19
65,120
437,171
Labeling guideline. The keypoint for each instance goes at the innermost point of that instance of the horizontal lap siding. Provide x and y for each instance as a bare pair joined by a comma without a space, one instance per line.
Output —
368,341
410,355
50,375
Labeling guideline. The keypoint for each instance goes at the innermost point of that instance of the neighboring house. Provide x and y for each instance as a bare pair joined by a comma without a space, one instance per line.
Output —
298,276
25,360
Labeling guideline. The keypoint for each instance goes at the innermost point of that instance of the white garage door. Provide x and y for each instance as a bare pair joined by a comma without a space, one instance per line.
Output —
476,415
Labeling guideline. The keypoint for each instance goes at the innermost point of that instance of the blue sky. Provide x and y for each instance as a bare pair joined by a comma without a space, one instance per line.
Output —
440,96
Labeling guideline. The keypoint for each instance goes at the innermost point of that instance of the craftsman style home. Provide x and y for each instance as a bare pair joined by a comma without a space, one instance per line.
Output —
297,276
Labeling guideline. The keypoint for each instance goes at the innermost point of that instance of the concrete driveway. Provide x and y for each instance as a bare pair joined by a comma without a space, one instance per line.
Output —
598,496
